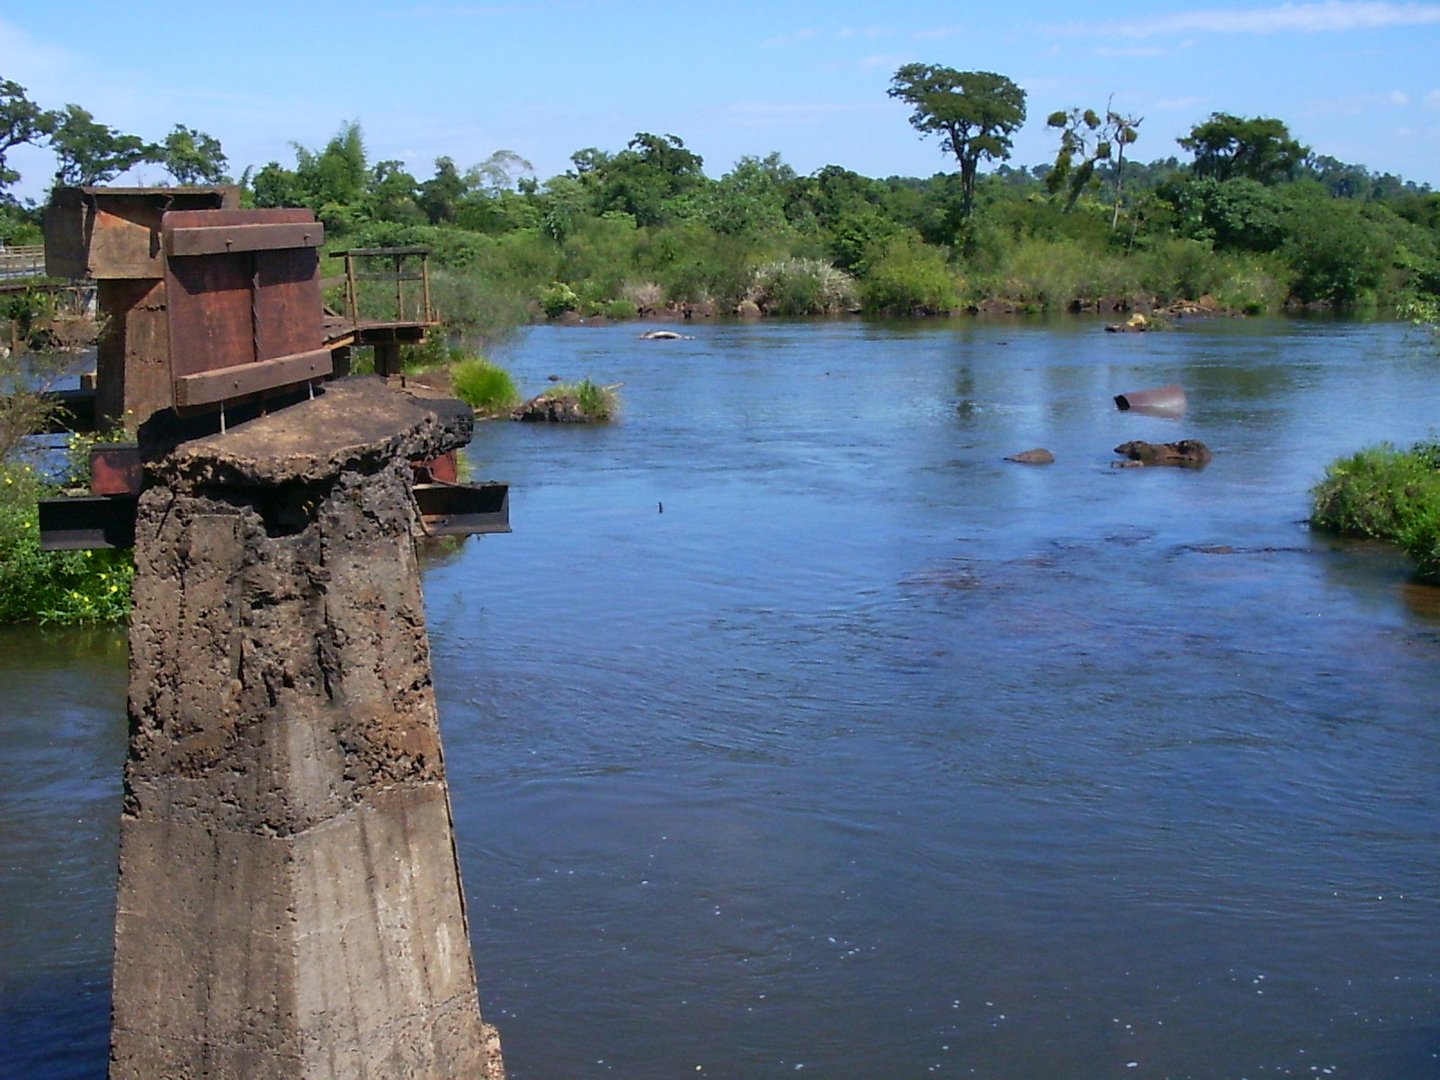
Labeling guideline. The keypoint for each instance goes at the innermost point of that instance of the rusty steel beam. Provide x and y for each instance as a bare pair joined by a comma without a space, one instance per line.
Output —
81,522
238,380
463,509
225,239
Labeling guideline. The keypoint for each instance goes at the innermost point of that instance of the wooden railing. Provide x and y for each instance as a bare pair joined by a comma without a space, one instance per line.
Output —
24,260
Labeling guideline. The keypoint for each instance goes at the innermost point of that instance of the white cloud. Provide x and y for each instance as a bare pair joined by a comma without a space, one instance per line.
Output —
939,33
808,34
1138,52
1176,104
1330,16
844,33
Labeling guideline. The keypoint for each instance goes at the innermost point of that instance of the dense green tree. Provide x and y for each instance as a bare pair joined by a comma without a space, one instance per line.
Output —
1232,215
337,175
563,202
192,157
750,199
440,195
89,152
974,112
335,182
1342,181
848,209
653,179
1338,254
393,194
1259,148
21,122
275,185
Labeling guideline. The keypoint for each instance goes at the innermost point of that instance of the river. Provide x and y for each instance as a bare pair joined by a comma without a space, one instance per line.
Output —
793,730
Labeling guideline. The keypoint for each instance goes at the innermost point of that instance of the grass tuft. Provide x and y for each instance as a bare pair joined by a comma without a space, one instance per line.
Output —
485,387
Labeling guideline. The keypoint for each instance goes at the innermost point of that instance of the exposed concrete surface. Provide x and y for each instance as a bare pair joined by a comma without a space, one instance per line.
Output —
290,902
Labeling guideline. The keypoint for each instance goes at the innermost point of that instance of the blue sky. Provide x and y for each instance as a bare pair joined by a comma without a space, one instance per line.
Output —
1359,81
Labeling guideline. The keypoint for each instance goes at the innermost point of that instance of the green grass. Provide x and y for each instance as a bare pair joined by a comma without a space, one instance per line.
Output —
1384,493
599,403
485,387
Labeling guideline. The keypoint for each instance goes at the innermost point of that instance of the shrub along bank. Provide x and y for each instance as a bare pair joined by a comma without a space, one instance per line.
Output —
67,587
1383,493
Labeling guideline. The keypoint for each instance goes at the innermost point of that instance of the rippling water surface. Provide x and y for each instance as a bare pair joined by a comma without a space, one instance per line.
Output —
795,730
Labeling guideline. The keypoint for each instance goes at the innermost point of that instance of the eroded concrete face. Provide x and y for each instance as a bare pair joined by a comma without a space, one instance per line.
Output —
289,902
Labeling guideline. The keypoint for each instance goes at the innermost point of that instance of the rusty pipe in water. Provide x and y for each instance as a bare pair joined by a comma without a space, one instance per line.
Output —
1159,401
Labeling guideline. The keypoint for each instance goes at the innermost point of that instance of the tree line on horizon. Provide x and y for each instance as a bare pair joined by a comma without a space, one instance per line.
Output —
1253,219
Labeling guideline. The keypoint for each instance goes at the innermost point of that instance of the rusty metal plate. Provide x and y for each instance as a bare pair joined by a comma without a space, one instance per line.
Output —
228,308
114,233
116,469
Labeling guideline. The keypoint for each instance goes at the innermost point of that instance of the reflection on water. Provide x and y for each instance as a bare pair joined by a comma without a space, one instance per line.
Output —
878,755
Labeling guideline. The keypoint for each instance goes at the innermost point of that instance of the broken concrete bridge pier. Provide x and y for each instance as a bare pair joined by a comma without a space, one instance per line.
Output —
290,901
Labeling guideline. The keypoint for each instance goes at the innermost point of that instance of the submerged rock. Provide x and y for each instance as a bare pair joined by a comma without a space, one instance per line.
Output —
1136,324
553,409
1187,453
1038,456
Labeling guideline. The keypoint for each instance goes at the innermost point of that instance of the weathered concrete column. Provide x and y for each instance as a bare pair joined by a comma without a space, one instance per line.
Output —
290,900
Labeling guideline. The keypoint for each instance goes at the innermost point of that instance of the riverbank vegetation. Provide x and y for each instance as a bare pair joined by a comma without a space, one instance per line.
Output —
1389,494
66,587
1245,215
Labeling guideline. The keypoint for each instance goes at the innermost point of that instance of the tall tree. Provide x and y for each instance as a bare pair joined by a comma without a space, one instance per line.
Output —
1259,148
973,112
1086,139
650,179
502,171
192,157
89,152
21,122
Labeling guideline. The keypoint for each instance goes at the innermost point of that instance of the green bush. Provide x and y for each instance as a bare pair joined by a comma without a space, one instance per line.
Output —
558,298
69,587
802,287
485,387
693,264
908,278
1385,494
620,308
